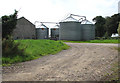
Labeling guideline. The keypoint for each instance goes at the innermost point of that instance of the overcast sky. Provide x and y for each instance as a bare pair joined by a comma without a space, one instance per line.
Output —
56,10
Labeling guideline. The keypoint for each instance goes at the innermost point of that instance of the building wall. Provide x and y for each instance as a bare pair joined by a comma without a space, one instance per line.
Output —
24,29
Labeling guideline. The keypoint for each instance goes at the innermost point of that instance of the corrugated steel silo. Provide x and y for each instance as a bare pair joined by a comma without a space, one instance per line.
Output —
93,32
88,31
70,30
42,33
54,32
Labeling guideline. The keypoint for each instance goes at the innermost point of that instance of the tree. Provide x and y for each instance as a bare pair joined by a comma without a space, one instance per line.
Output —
10,48
112,24
9,24
99,26
108,27
118,29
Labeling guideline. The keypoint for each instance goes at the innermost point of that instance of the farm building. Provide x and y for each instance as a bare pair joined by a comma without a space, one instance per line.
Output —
24,29
76,30
55,32
42,32
68,29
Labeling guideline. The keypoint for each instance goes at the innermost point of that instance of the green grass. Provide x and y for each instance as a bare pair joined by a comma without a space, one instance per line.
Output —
114,75
117,48
114,68
34,49
94,41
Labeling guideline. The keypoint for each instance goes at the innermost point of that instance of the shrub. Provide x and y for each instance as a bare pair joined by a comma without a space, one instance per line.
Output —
10,48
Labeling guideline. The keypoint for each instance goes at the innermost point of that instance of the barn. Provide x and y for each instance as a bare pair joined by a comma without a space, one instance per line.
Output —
24,29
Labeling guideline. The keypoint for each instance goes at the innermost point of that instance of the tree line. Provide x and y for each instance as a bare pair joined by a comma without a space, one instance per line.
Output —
105,27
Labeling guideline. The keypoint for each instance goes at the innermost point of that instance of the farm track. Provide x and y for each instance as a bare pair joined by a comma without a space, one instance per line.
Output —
82,62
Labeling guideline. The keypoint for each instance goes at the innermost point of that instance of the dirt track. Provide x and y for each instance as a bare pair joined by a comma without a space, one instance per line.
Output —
82,62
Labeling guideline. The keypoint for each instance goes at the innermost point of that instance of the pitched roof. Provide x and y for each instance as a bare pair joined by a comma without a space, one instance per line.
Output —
26,20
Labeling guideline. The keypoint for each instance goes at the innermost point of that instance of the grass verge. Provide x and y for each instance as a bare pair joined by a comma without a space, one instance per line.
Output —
114,76
94,41
34,49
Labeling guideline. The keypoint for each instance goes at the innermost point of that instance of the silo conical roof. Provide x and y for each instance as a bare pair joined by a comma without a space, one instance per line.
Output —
70,19
86,22
43,26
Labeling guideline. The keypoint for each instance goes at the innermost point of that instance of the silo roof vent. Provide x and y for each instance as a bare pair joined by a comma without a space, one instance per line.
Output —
70,18
74,18
86,22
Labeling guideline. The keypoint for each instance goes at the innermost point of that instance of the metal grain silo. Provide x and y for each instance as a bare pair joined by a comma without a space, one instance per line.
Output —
42,32
93,32
55,33
88,31
70,30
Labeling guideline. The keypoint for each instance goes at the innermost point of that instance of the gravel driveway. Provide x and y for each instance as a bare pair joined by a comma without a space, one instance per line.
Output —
82,62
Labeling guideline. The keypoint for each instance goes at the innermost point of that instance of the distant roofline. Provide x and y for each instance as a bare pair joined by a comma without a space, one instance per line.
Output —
25,19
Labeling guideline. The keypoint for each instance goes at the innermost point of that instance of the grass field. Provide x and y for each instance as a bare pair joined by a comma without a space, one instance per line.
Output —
94,41
34,49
